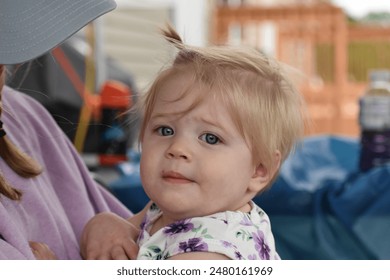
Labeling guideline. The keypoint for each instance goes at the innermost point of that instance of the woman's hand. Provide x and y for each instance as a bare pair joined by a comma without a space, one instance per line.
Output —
109,237
41,251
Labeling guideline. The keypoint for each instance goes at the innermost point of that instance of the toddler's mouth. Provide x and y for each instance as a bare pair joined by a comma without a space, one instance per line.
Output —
175,177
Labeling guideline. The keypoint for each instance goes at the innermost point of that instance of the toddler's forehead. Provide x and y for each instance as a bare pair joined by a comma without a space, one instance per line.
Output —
177,87
188,90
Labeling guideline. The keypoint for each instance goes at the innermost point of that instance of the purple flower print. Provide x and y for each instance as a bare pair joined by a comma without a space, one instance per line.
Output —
179,226
193,245
238,255
143,227
260,245
252,257
226,244
141,235
246,221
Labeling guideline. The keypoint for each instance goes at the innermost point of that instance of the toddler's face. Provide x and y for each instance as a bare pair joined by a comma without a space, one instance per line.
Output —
196,163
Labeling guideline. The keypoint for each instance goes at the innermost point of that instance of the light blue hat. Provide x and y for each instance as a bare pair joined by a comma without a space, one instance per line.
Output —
30,28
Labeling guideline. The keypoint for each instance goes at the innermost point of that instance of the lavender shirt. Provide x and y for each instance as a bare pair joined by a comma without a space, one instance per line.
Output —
56,205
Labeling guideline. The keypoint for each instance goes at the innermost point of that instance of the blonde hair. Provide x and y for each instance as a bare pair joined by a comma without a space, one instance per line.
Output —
265,106
18,161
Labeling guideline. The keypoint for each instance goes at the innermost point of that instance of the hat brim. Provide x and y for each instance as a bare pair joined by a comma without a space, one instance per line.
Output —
29,29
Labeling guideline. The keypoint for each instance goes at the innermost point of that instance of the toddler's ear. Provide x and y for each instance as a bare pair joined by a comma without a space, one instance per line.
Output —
262,176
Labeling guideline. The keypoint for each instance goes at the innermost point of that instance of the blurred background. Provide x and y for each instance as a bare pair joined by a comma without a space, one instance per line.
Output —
332,198
334,50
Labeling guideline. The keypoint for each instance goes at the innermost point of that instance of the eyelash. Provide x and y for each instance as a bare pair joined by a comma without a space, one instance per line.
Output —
204,137
160,130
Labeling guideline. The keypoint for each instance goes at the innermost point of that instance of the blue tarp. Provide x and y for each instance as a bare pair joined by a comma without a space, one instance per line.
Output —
321,206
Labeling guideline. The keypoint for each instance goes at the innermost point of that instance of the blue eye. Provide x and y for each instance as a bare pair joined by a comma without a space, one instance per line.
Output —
165,131
210,138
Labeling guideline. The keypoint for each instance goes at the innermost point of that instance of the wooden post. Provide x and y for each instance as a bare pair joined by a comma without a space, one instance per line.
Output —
341,66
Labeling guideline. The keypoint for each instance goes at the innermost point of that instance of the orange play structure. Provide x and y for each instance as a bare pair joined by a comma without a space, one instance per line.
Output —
333,55
104,106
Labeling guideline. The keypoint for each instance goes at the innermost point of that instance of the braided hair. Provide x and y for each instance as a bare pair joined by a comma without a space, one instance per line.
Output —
18,161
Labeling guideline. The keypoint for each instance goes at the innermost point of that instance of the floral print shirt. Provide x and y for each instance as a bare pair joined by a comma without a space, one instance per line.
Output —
237,235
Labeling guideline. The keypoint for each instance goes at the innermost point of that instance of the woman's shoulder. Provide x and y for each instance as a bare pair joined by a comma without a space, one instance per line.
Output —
18,101
26,116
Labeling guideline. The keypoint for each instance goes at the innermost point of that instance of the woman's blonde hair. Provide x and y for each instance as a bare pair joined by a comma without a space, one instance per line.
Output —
265,106
18,161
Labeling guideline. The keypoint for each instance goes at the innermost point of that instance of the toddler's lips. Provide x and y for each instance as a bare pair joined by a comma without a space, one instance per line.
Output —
175,177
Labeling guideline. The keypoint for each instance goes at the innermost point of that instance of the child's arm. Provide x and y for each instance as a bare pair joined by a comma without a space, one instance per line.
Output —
108,236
